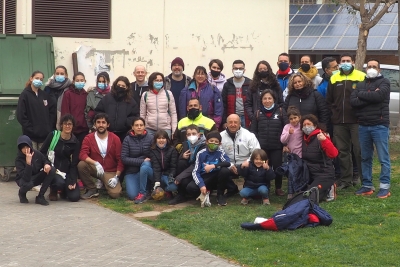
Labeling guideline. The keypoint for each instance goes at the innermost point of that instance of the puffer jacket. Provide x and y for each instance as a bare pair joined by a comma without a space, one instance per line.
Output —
371,105
135,149
268,129
158,111
255,177
163,161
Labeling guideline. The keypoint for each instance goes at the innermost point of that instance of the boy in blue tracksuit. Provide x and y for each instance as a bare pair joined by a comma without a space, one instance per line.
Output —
211,169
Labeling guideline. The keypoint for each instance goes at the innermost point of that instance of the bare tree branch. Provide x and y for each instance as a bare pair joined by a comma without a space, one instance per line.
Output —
354,5
380,14
373,9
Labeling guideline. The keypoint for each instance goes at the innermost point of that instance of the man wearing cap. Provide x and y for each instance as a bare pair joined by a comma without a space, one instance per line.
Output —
176,81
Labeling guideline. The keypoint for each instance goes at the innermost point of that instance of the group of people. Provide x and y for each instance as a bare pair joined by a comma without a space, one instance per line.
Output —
191,136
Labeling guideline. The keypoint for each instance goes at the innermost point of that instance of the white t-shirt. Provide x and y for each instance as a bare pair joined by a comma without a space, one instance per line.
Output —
102,144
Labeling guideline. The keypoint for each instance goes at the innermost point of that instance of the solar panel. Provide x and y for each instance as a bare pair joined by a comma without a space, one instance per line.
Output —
347,43
295,30
335,30
305,43
309,9
326,43
374,43
321,19
313,31
390,43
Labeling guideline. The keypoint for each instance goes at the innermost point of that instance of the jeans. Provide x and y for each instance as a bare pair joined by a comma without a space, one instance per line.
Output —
136,182
242,121
169,187
247,192
377,135
152,132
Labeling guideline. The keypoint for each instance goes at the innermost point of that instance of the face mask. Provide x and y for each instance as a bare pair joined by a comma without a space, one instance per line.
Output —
263,74
119,89
372,73
59,78
238,74
158,85
215,73
193,113
37,83
283,66
273,105
335,71
346,66
213,147
308,129
305,67
161,147
101,86
193,139
79,85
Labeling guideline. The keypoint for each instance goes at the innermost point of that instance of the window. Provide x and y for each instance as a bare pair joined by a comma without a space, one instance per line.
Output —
72,18
8,16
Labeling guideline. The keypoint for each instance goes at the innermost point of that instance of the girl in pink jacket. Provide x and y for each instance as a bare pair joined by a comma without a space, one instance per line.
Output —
292,135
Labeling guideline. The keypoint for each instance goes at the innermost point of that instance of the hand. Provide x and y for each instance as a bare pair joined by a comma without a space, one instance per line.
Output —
99,168
321,136
203,190
47,168
265,165
234,169
171,178
208,167
113,181
146,159
291,130
377,89
176,182
71,186
156,184
186,155
28,156
286,149
245,164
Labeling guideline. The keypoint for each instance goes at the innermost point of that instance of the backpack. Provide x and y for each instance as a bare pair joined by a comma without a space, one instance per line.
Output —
167,94
312,195
54,141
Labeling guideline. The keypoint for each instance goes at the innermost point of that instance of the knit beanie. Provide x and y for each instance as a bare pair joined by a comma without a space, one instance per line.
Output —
214,134
178,61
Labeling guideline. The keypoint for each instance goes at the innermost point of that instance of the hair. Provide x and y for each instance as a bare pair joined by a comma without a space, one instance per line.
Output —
193,127
105,76
307,82
61,67
373,59
347,55
307,56
326,61
28,83
238,61
258,152
77,74
256,82
293,110
314,120
284,54
199,69
135,119
65,118
268,91
152,77
101,116
128,87
158,134
218,62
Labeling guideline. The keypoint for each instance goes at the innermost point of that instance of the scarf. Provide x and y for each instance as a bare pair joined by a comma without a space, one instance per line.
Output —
105,91
285,72
311,73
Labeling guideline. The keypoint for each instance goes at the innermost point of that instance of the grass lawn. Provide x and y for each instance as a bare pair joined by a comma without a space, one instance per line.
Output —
364,232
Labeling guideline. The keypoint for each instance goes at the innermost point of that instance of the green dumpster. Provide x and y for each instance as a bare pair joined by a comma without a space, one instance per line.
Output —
20,55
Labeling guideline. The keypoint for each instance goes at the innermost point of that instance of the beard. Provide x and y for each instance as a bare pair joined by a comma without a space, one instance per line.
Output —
101,130
177,73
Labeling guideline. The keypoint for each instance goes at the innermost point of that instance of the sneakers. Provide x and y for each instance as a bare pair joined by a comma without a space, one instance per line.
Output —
365,191
177,199
40,200
383,193
231,193
244,201
331,194
22,197
221,200
141,198
53,196
90,193
279,192
266,201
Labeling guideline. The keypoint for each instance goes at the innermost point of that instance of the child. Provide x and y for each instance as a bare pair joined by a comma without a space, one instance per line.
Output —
211,169
163,158
195,142
257,177
292,134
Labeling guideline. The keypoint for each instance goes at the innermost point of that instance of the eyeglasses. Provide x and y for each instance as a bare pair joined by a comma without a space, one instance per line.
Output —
68,124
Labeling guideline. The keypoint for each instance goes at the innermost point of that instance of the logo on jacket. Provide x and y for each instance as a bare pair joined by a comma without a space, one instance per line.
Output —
276,116
45,103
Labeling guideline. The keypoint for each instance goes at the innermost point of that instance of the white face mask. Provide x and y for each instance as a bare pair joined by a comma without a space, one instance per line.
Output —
372,73
238,73
193,139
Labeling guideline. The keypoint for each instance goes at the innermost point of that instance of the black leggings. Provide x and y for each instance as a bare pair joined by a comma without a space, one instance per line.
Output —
60,184
40,178
275,161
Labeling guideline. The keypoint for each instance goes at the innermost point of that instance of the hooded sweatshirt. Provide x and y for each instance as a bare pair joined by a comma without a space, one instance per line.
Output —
219,82
194,149
74,103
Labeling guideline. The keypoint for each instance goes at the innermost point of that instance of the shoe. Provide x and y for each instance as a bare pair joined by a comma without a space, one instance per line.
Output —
266,201
80,184
342,186
40,200
141,198
231,193
22,197
53,196
177,199
244,201
221,200
383,193
331,194
279,192
364,191
90,193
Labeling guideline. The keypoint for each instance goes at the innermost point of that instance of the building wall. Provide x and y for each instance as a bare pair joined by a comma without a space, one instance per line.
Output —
153,32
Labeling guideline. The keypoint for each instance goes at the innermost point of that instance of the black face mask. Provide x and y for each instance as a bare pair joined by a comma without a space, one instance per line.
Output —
121,92
283,66
215,73
263,74
193,113
305,67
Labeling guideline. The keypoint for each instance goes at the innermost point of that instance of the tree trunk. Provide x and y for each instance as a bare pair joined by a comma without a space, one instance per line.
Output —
362,47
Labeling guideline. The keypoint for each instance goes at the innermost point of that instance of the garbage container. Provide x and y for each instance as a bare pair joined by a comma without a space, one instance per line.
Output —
21,55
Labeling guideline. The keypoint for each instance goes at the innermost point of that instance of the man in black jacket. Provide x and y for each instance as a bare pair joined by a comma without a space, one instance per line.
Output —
140,85
371,101
33,168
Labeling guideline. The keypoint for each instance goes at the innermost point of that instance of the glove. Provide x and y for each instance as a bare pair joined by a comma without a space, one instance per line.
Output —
204,200
99,168
171,179
113,182
62,174
156,184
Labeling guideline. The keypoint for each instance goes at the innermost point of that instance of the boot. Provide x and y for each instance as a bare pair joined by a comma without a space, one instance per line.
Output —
22,197
40,200
53,196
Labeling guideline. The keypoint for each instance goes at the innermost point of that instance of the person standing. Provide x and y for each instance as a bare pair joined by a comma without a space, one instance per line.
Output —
309,70
140,85
371,100
215,76
284,72
330,67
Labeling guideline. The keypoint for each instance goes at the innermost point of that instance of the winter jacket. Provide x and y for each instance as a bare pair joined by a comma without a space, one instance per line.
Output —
36,113
240,149
308,101
112,161
210,101
219,83
176,91
138,91
371,105
163,162
135,149
255,177
323,86
217,157
158,110
296,170
284,79
25,171
120,112
74,103
338,95
93,98
293,141
253,101
229,98
66,155
268,129
194,149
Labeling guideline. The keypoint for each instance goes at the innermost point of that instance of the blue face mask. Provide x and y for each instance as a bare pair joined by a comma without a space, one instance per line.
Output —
37,83
79,85
59,78
346,66
101,86
162,147
158,85
273,105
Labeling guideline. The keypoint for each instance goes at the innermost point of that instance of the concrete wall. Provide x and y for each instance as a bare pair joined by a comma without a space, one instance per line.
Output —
153,32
